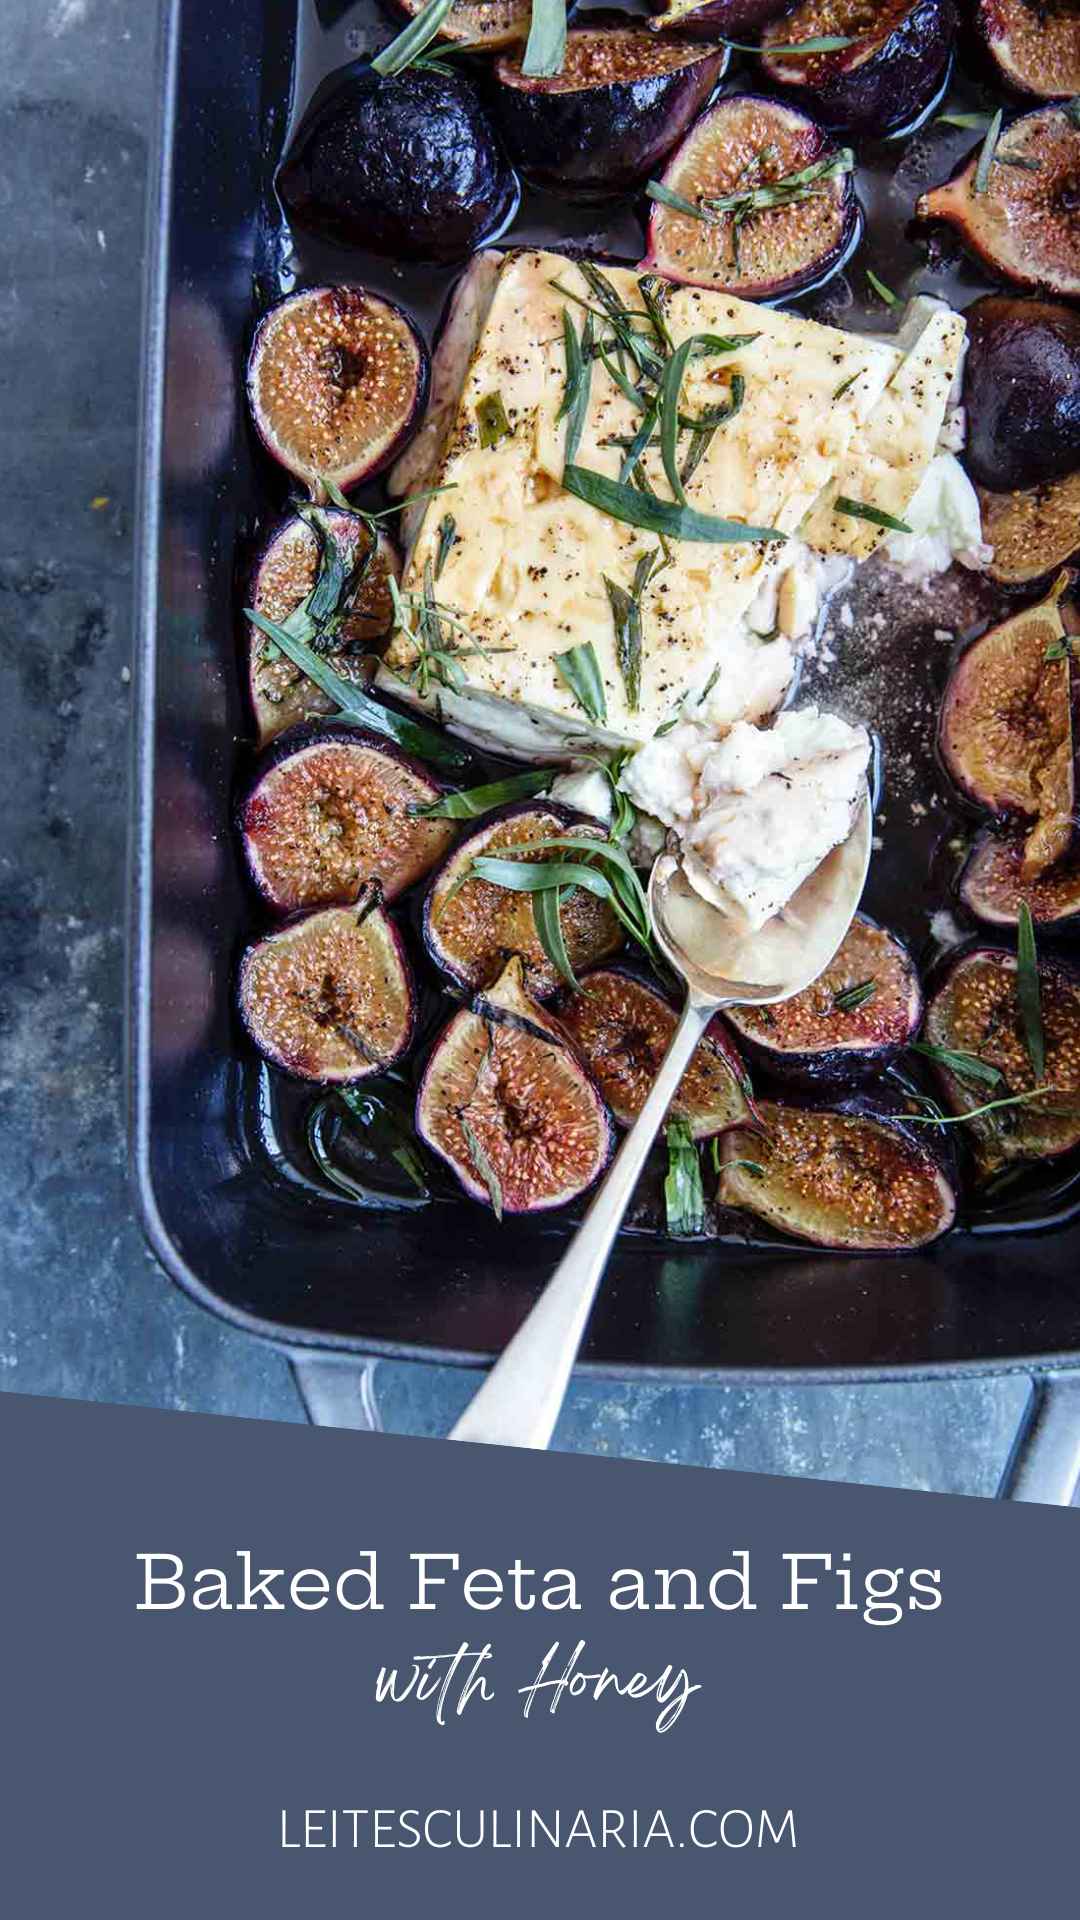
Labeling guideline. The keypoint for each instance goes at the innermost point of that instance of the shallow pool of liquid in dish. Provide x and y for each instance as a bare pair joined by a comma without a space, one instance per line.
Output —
882,652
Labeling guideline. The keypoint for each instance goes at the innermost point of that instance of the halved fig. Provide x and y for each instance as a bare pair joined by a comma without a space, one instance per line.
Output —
857,1176
1033,533
472,927
976,1012
509,1106
1021,391
331,997
883,83
1025,223
622,1023
992,885
777,203
732,18
622,99
1034,44
334,810
484,24
1006,732
281,694
337,378
848,1026
406,165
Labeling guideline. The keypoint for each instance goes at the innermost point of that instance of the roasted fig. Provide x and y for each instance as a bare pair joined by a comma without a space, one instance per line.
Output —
283,576
756,201
1007,728
1032,533
1018,209
336,380
331,996
334,810
621,1024
622,99
884,82
486,24
992,885
858,1015
1034,44
1021,392
471,926
509,1106
858,1177
730,18
976,1016
405,165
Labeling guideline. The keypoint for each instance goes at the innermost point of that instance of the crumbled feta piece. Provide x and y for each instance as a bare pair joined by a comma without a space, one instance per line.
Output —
758,810
586,788
945,524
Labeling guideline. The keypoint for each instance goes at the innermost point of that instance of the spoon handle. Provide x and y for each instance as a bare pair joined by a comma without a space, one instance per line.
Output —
519,1402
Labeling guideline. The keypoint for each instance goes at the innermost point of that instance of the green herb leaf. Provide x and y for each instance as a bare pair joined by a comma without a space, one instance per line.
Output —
578,374
358,705
845,386
1056,650
971,122
447,536
940,1119
549,931
667,197
626,613
483,1167
684,1197
664,517
545,49
491,420
539,876
474,802
883,292
964,1066
412,40
825,43
986,157
580,669
670,389
641,440
1027,990
850,999
858,510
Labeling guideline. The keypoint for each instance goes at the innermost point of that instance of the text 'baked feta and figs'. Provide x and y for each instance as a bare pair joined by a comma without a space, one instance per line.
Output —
756,201
1006,1055
1008,734
1015,201
849,1025
337,378
472,925
1021,392
621,101
1034,44
405,165
509,1106
283,576
333,810
893,68
330,997
993,885
859,1177
622,1024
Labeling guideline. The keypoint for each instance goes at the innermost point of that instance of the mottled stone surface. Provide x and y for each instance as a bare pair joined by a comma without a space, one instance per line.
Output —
84,1311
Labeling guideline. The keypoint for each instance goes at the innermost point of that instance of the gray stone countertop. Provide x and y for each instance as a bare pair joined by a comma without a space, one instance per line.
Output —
84,1309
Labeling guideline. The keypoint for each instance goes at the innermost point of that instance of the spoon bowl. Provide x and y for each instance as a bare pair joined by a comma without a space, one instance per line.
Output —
722,965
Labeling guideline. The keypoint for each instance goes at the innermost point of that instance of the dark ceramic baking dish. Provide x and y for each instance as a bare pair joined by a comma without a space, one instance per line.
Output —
228,1222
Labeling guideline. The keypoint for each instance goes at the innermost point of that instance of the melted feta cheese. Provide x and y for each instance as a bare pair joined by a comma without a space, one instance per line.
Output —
945,522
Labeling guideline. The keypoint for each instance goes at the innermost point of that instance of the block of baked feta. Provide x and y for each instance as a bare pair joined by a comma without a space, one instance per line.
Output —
523,572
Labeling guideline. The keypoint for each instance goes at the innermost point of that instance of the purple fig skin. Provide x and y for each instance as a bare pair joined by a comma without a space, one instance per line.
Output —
935,1153
367,464
790,123
827,1070
405,166
734,19
886,93
605,138
363,1069
1021,392
289,747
